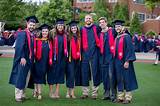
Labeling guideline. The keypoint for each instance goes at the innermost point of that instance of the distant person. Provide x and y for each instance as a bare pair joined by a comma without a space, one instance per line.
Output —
157,49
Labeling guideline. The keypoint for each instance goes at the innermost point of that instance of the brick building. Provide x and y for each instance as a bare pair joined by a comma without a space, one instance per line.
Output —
137,6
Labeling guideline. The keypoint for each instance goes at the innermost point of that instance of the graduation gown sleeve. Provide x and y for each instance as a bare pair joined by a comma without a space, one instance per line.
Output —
129,52
19,47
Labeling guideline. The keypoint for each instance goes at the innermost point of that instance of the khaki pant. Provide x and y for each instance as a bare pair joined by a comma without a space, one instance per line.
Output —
20,93
94,90
85,89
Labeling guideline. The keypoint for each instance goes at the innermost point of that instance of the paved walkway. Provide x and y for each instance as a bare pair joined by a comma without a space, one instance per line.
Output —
8,51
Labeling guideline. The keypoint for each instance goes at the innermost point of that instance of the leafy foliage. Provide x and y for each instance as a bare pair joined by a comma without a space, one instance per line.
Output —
135,25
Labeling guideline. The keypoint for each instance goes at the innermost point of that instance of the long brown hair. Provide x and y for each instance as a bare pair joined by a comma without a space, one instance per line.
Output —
71,34
52,33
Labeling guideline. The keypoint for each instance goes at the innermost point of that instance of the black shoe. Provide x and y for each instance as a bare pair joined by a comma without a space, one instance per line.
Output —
113,100
84,97
106,98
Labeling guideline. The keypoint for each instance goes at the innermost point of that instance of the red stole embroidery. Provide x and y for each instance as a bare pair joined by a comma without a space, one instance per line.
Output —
85,38
120,47
111,41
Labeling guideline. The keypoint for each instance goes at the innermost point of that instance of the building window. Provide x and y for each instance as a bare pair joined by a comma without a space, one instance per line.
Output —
154,16
148,16
85,0
139,1
112,1
151,16
141,17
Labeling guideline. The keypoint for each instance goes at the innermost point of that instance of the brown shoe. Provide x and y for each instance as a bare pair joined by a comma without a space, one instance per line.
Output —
119,101
126,102
94,97
84,97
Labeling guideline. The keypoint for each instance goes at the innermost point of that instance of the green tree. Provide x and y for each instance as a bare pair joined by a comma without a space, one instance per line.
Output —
13,12
50,11
135,25
120,12
151,5
101,9
30,8
156,1
115,11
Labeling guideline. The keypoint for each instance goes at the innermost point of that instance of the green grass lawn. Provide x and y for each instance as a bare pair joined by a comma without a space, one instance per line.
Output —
148,94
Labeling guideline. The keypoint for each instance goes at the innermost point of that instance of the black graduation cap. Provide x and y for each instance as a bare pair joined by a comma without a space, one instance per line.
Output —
32,19
60,21
73,23
118,22
44,26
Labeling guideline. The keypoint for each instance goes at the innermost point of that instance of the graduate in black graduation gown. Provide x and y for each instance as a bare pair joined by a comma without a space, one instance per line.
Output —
57,70
150,44
107,38
157,49
124,58
42,59
89,64
73,64
23,58
136,42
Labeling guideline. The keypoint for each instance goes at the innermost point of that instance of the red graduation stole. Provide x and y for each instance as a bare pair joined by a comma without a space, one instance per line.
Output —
111,41
50,52
75,48
29,42
85,38
38,49
120,47
64,44
101,42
